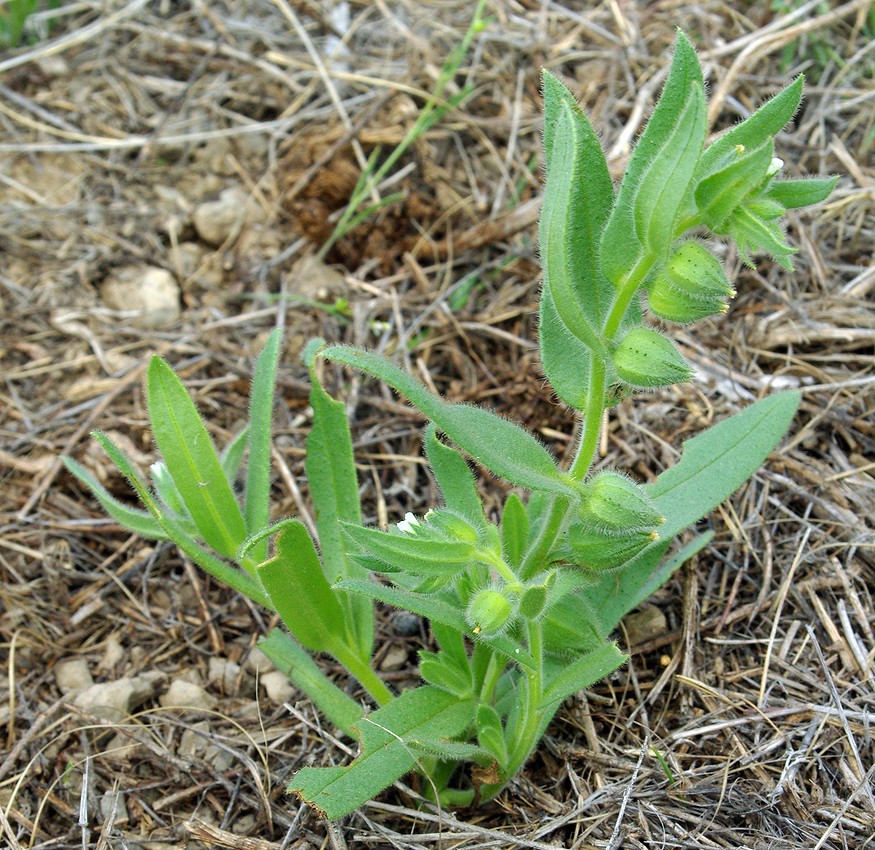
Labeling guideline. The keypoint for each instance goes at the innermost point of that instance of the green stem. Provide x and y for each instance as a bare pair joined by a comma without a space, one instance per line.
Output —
625,292
592,422
532,721
366,677
542,544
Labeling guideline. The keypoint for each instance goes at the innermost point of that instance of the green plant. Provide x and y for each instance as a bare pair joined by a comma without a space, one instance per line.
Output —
522,609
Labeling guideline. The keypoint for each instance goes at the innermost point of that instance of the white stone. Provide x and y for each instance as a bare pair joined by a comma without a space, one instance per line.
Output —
182,694
220,221
150,294
278,687
72,675
258,662
224,674
115,700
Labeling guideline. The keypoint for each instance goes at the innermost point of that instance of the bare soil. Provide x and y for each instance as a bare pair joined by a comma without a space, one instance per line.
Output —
745,717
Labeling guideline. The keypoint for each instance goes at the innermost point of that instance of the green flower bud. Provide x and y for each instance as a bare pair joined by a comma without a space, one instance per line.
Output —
489,611
597,550
691,286
645,358
615,504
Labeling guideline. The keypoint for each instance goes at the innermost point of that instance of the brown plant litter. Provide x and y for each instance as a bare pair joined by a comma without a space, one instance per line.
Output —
745,720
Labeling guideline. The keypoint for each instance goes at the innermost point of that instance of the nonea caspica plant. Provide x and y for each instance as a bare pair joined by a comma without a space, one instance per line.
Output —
522,607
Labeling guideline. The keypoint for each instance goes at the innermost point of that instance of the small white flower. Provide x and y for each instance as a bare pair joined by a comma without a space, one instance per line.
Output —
775,166
407,524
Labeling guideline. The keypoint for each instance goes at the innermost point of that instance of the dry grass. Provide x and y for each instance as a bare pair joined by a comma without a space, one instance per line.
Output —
745,717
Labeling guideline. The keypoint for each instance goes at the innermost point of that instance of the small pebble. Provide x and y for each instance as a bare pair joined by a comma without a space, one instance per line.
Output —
278,687
149,293
182,694
72,675
115,700
406,624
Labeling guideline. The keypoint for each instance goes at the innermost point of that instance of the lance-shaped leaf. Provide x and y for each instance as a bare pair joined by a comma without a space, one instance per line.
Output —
414,555
257,507
191,459
440,611
388,738
659,171
714,464
514,530
334,488
800,193
286,655
455,479
755,130
581,673
140,522
497,444
565,359
577,201
299,591
235,578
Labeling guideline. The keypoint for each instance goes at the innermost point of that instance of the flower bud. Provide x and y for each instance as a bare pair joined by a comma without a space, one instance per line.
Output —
645,358
615,504
489,611
691,286
597,550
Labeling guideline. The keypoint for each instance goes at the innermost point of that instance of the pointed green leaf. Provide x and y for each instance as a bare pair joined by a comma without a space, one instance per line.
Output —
257,508
297,586
514,530
451,643
659,172
426,713
236,579
454,751
800,193
582,673
716,463
282,651
414,555
437,610
756,129
333,482
191,459
443,675
577,200
455,479
140,522
497,444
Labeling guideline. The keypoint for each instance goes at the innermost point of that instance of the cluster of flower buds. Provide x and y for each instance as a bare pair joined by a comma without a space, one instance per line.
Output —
692,286
492,610
616,521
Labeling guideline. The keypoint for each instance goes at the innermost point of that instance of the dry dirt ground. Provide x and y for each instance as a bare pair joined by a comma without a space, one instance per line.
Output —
745,717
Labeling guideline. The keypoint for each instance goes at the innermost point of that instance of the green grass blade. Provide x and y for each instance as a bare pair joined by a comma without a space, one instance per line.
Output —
257,507
191,459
